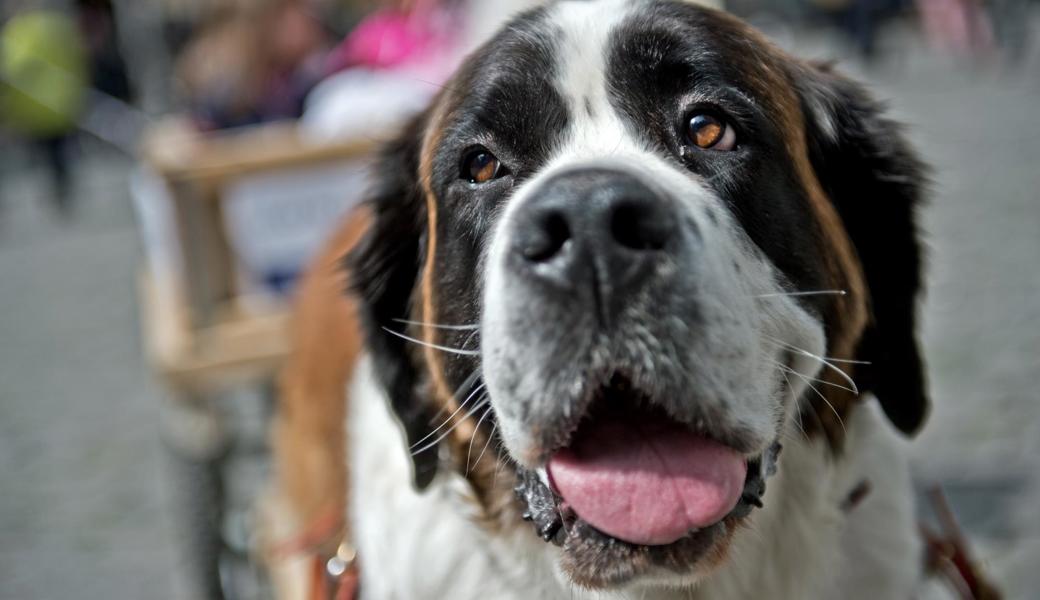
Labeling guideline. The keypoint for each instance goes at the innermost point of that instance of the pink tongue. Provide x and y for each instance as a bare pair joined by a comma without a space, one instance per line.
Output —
649,482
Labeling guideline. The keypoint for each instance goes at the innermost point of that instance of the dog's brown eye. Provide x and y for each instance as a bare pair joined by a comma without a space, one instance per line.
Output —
709,132
480,166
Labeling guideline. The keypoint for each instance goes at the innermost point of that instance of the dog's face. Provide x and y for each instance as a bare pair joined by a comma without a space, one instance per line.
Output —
627,237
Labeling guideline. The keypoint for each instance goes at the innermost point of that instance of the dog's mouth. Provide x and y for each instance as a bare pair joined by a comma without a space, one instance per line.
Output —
634,489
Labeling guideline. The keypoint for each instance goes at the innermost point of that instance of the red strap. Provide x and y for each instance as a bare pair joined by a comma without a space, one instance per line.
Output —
348,583
949,555
325,586
326,527
325,583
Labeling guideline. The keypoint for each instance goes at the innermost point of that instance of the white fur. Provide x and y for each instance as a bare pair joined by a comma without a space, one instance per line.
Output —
586,29
413,545
800,546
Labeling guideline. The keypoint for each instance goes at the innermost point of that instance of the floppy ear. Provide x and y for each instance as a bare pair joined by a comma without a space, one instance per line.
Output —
385,269
876,181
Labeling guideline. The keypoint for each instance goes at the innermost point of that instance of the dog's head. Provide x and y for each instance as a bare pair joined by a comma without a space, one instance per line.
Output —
627,248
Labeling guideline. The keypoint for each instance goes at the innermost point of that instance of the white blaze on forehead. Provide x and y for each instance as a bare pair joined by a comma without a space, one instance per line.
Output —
586,33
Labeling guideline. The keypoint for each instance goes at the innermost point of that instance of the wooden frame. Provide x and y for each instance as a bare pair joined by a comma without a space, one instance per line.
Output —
198,335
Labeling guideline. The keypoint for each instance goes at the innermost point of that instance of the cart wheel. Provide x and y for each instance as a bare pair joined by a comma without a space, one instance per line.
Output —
196,444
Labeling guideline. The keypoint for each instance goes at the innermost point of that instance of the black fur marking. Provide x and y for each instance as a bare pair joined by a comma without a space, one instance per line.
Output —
384,269
876,182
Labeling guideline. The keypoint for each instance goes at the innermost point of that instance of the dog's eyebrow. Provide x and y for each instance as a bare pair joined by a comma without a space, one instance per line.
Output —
746,97
710,91
740,105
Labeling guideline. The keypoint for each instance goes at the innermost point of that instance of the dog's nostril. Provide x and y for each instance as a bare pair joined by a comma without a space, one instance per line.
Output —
634,226
548,238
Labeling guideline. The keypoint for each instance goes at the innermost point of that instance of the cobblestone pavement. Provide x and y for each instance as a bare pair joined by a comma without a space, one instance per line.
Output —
82,509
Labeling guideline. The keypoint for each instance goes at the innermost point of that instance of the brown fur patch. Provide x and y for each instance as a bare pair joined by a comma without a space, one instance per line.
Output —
428,313
308,433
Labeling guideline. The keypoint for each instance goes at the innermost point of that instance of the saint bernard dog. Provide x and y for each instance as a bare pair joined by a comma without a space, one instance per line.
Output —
637,295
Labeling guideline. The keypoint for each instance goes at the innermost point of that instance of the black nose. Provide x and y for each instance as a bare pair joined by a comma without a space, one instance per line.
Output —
595,225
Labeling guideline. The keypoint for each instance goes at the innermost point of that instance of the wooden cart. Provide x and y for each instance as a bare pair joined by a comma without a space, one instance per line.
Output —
212,330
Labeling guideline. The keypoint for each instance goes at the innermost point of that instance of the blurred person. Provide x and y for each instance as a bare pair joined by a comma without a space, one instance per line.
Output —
861,20
387,68
956,25
43,86
1011,29
864,18
108,73
252,62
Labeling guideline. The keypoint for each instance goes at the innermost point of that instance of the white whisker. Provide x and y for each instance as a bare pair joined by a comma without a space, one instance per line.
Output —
830,383
722,173
481,404
451,416
434,346
847,361
498,467
476,429
824,398
491,436
438,325
797,413
469,338
466,384
809,293
843,374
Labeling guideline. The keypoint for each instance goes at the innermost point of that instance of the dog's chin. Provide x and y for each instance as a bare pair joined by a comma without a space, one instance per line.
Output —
633,495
